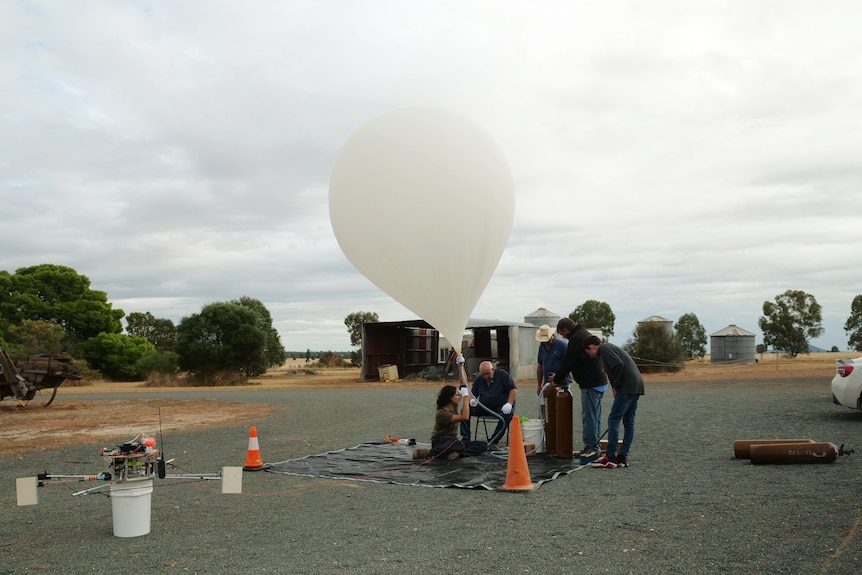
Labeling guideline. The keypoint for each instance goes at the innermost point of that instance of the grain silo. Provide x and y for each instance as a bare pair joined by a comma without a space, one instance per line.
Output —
542,317
732,345
666,324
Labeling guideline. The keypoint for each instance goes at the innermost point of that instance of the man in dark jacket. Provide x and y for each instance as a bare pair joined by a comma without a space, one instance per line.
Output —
590,377
628,385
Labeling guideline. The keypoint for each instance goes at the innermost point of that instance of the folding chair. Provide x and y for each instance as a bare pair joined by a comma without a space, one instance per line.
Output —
486,420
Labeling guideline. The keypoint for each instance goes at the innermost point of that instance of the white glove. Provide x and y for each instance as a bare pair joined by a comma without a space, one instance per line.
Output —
460,359
473,403
465,391
507,409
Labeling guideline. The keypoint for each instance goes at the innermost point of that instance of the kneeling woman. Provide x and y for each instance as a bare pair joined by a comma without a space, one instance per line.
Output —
444,438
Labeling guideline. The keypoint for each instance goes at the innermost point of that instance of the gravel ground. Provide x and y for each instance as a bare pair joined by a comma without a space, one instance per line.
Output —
684,506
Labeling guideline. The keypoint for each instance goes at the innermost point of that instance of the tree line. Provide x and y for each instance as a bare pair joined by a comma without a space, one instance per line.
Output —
51,309
788,325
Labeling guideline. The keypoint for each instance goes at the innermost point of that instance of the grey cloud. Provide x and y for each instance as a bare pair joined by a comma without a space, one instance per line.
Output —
671,159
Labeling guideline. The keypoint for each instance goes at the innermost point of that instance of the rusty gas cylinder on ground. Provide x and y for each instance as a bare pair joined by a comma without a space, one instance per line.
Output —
822,452
742,447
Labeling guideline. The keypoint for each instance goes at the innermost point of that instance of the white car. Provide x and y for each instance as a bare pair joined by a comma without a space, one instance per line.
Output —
847,383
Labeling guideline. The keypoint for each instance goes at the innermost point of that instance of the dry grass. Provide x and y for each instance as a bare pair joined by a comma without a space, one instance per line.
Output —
768,366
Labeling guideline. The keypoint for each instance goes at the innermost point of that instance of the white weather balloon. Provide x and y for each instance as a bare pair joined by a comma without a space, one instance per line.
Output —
421,201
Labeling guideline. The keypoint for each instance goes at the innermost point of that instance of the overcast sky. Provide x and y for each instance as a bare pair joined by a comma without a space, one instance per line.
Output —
669,157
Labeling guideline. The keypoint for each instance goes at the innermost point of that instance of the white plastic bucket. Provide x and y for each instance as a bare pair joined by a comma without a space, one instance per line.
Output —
532,432
130,503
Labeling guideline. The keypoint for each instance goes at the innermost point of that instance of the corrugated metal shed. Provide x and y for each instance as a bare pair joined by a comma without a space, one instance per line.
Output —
414,345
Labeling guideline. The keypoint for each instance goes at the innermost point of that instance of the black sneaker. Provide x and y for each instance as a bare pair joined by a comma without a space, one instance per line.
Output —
622,460
584,451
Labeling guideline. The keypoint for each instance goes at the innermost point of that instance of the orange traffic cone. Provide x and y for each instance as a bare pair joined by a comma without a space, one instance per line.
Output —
517,472
253,462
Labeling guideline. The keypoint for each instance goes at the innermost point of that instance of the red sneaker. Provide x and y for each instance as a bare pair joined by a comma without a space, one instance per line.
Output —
604,462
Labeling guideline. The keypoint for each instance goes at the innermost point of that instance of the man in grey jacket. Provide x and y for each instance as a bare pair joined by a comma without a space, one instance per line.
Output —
628,385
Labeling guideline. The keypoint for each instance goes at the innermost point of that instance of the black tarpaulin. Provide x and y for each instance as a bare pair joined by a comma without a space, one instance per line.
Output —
394,463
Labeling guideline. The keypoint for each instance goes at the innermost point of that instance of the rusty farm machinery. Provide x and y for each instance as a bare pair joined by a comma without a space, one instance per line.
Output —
34,381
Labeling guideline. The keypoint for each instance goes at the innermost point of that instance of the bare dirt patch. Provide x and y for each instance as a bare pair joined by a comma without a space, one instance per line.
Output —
78,422
23,429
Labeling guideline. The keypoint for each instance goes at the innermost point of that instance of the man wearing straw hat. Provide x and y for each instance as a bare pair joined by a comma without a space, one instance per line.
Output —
552,352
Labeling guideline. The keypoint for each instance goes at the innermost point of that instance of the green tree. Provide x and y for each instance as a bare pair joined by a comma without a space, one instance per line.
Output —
115,354
222,337
31,337
691,335
655,349
5,294
161,332
789,322
166,362
354,323
853,325
274,353
58,294
593,313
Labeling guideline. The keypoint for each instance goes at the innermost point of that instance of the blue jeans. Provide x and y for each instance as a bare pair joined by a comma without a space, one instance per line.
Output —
591,417
624,408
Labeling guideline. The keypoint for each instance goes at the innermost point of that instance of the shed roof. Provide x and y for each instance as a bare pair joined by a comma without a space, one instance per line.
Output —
474,322
732,330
